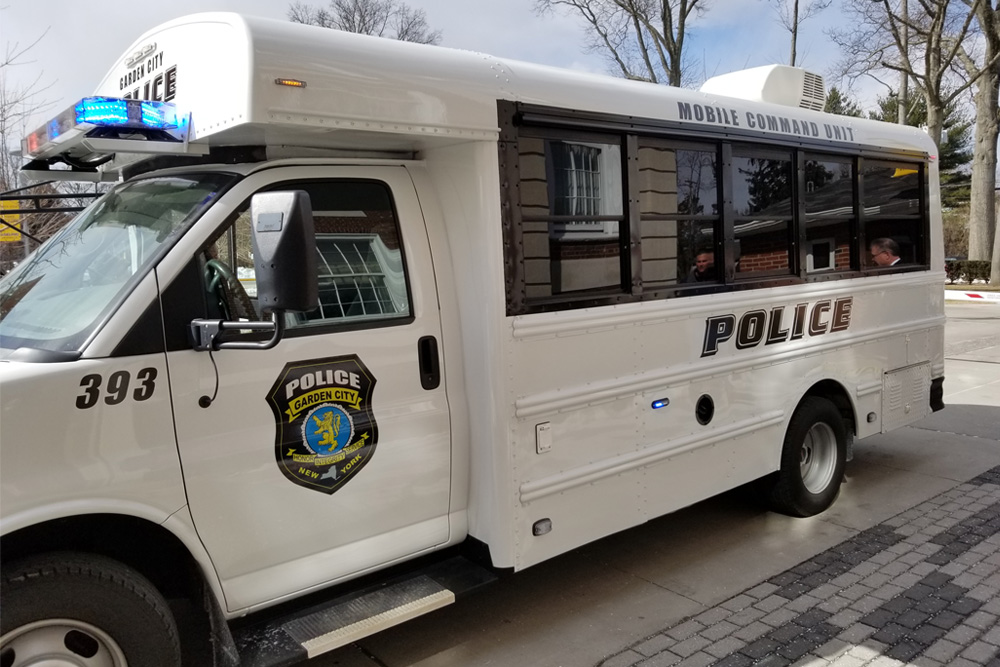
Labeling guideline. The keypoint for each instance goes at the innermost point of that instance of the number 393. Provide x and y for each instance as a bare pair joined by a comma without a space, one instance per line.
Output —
117,388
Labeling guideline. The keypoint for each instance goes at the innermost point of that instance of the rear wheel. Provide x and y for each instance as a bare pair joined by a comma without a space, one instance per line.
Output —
812,460
83,610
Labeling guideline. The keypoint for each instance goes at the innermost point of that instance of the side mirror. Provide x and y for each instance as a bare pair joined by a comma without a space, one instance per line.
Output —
284,257
284,251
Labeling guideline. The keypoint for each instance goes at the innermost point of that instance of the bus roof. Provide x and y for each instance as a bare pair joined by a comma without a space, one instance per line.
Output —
254,81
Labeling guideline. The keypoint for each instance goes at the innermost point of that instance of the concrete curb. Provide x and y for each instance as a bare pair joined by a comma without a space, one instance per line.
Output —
972,295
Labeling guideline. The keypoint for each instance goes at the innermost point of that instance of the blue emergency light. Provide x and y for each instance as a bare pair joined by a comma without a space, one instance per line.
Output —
103,115
114,112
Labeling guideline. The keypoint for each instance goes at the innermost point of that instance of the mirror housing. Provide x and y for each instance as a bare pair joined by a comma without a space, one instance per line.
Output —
284,257
284,251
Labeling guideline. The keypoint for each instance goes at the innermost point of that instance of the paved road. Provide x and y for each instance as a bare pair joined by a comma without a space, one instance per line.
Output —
904,566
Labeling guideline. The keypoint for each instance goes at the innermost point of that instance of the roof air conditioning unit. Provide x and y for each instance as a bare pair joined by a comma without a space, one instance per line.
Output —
778,84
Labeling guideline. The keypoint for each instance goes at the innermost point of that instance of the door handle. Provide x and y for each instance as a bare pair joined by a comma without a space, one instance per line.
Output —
430,364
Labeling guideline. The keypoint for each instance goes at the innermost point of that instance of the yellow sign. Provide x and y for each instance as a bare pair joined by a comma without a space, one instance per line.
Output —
8,235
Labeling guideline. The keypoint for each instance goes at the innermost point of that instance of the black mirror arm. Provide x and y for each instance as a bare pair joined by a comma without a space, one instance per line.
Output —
204,334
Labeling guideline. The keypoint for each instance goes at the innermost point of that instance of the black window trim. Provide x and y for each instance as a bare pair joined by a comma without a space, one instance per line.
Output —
544,122
330,327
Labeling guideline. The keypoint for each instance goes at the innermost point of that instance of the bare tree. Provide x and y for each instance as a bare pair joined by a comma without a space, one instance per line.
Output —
922,44
982,216
929,43
792,14
382,18
18,104
643,38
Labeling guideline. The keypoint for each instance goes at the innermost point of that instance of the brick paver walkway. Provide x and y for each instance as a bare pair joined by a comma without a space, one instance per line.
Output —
922,588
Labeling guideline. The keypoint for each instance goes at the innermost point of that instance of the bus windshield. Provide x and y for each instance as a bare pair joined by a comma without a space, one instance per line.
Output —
56,299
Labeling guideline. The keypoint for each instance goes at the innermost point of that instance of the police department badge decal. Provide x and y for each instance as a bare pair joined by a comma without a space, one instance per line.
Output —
325,428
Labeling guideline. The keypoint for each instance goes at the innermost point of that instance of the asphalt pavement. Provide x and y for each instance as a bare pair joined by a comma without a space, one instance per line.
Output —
904,569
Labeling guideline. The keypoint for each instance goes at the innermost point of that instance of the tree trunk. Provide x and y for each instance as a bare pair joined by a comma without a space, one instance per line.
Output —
982,213
982,218
995,268
795,30
935,120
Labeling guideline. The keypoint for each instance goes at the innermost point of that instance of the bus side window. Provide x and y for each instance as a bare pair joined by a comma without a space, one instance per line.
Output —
893,210
763,184
679,212
829,207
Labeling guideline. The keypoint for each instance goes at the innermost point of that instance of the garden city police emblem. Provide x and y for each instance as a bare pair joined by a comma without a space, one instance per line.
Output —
325,427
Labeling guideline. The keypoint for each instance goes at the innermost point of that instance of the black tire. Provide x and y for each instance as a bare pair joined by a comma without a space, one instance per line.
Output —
812,460
88,609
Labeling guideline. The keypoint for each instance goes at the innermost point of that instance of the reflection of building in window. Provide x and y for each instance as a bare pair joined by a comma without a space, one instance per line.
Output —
678,204
829,201
581,185
762,199
571,207
892,196
822,255
359,277
577,178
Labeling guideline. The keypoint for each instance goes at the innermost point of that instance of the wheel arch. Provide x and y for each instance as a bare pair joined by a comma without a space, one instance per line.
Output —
157,552
146,547
836,393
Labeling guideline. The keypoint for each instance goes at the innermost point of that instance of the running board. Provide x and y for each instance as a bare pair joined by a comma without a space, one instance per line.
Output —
312,632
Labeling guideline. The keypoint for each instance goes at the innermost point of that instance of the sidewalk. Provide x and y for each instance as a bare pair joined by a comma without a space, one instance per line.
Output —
921,588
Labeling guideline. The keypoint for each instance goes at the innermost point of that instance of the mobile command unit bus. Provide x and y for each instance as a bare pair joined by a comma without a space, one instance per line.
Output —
357,310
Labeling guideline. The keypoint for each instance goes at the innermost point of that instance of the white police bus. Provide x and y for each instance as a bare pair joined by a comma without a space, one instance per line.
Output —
357,301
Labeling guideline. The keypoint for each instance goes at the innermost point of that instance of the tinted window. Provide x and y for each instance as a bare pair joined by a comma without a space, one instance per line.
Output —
893,217
679,212
572,210
360,265
830,219
762,199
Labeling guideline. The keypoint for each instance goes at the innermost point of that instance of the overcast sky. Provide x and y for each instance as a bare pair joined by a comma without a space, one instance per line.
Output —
78,42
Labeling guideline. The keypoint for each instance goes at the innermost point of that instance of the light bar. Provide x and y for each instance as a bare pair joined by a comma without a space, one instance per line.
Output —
81,119
113,112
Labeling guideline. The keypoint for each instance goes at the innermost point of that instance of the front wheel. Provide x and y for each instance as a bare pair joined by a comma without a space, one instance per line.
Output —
86,610
812,460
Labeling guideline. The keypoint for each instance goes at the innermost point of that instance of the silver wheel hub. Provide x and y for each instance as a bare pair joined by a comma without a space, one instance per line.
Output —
818,458
61,642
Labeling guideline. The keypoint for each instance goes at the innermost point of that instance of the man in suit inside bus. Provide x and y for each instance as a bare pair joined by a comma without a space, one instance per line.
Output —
885,252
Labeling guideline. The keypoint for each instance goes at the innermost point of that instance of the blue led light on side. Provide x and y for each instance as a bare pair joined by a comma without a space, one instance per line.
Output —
139,114
661,403
102,111
159,115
